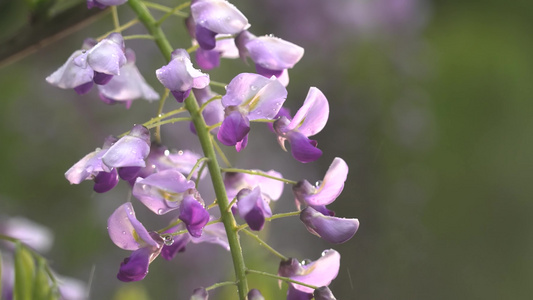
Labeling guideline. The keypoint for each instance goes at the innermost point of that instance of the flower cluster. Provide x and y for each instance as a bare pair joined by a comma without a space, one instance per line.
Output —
166,182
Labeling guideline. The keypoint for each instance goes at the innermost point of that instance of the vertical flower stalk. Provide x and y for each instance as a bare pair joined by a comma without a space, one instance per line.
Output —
207,146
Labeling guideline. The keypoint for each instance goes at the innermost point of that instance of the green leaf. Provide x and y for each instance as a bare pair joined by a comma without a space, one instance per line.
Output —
24,273
41,283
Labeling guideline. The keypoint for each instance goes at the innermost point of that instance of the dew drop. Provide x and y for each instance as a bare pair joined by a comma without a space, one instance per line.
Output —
325,252
305,262
160,211
124,232
167,152
253,87
180,152
168,240
318,183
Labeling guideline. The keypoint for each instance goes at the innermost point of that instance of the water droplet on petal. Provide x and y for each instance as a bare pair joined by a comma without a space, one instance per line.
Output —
180,152
168,240
167,153
253,87
305,262
318,183
160,211
124,232
325,252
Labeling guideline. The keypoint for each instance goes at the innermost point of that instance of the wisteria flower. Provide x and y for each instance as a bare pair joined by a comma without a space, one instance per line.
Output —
163,191
318,273
309,120
255,294
129,234
271,188
97,62
129,151
332,229
225,48
323,293
248,97
213,112
179,75
199,294
327,190
91,167
104,3
127,86
212,17
213,233
193,213
272,56
253,208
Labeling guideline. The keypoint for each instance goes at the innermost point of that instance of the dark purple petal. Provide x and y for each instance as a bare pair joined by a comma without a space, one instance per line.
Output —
302,148
199,294
283,112
294,294
253,208
101,78
128,173
323,293
106,100
255,294
267,72
180,241
84,88
240,41
207,59
135,267
233,129
332,229
181,96
241,144
94,3
194,215
105,181
205,37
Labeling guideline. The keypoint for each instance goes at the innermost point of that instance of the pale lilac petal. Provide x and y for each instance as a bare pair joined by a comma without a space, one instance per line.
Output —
30,233
274,53
240,145
253,208
199,294
130,150
184,161
70,75
323,293
129,85
207,59
302,148
261,97
233,129
331,186
180,75
271,187
126,231
313,115
320,272
219,16
194,215
163,191
213,233
87,168
332,229
105,181
255,294
108,55
226,46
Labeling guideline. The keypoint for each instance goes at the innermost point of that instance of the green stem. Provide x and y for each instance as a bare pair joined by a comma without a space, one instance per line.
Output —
119,29
264,244
198,162
276,216
159,112
169,121
220,284
287,279
138,37
167,9
174,11
259,173
114,12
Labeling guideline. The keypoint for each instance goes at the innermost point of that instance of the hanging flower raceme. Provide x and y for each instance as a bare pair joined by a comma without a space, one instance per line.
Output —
318,273
248,97
316,217
179,75
272,56
129,234
101,4
91,167
129,85
97,63
309,120
212,17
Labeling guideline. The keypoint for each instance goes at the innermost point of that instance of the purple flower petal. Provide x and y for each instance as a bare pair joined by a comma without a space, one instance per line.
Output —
87,168
84,88
274,53
332,229
213,233
108,55
135,267
241,144
219,16
130,150
253,208
318,273
70,75
194,215
261,97
180,241
105,181
267,72
179,74
207,59
323,293
126,231
128,173
331,186
205,37
255,294
199,294
313,115
294,294
233,129
101,78
163,191
302,148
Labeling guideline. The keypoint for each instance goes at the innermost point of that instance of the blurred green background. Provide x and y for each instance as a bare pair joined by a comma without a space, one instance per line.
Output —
430,107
